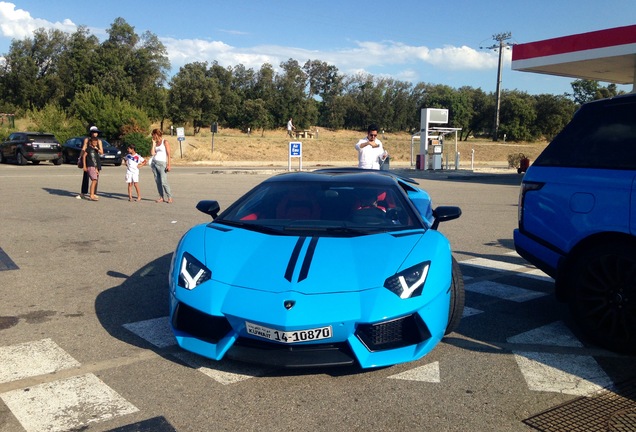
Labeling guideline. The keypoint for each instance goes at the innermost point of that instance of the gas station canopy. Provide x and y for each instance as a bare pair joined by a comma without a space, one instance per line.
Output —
604,55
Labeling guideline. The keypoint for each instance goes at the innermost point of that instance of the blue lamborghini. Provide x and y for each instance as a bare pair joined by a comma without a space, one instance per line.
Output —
322,268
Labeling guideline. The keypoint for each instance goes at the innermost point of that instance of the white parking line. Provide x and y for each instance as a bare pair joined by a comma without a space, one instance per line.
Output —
157,331
503,291
224,372
31,359
468,311
561,373
555,334
65,405
427,373
494,264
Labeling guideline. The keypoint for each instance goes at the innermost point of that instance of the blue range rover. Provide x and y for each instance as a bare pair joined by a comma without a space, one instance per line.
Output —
577,219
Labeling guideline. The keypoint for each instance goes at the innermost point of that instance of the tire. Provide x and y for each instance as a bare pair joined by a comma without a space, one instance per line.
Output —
602,297
2,158
57,161
457,298
20,159
35,162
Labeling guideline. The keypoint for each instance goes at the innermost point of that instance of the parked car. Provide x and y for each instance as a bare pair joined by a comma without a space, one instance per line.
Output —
73,146
577,219
22,147
324,268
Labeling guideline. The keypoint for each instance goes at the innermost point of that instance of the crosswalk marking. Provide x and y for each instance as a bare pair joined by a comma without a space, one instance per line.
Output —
31,359
503,291
65,405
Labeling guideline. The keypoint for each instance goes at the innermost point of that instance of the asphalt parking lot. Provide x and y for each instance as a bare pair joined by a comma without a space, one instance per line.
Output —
85,343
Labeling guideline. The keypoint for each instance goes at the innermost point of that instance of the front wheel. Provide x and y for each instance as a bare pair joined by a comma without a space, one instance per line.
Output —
457,298
603,295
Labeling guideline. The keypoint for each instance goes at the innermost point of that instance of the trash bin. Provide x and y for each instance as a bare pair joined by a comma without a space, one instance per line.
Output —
385,165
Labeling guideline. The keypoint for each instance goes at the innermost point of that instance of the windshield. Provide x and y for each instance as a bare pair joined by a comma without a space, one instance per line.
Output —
322,208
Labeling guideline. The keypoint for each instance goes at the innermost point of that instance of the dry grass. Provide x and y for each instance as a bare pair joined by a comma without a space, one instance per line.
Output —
233,147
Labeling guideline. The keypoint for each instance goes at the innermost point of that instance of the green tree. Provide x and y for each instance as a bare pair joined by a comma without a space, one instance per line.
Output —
114,116
76,64
553,113
194,96
588,90
256,115
517,116
29,77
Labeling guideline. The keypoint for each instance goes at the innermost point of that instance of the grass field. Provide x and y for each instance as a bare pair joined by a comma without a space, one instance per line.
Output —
233,147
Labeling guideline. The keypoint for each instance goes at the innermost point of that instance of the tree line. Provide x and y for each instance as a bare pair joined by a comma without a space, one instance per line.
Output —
67,81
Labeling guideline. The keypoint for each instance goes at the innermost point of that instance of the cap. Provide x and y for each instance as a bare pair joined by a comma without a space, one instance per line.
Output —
94,129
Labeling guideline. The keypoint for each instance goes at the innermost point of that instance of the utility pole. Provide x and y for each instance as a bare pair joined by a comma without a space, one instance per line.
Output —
501,38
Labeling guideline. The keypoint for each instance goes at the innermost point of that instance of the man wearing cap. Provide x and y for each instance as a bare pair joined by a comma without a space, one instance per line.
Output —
91,163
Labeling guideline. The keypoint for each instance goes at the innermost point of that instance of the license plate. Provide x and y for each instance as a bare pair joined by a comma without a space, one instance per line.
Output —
42,146
109,157
288,336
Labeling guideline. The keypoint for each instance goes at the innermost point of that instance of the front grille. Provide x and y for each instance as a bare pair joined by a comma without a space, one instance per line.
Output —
290,355
200,325
397,333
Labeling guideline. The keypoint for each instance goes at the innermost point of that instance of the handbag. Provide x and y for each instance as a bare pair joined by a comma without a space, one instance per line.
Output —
80,163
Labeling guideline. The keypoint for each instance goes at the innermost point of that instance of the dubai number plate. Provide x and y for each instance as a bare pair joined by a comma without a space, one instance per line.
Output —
288,336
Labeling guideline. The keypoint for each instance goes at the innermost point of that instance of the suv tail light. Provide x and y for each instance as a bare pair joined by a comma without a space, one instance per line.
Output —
525,188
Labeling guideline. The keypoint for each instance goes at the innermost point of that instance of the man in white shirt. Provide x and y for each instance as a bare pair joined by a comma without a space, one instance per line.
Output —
290,128
370,151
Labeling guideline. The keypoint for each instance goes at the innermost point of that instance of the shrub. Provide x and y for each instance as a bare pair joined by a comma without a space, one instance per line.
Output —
141,142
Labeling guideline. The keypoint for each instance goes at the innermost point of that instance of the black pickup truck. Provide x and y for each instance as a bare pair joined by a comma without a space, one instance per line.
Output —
36,147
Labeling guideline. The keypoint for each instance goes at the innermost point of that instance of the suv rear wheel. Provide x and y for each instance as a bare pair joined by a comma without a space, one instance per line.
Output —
603,295
20,159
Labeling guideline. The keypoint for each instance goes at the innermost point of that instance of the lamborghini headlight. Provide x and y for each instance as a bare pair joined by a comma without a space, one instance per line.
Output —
192,273
410,282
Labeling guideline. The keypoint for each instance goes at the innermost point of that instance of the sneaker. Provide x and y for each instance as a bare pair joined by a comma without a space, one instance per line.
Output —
80,196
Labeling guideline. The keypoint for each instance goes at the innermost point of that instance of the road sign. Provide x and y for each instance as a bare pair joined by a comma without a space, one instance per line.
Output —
295,151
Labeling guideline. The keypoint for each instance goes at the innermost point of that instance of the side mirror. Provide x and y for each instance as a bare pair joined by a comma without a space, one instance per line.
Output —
445,213
209,207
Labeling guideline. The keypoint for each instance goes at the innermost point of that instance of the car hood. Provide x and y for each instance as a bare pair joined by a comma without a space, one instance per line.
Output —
308,264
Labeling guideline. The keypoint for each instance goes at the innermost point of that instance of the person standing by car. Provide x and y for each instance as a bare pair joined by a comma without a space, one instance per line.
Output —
370,150
93,132
134,161
91,150
160,151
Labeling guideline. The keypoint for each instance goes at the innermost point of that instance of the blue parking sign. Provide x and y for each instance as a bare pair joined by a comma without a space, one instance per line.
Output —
295,149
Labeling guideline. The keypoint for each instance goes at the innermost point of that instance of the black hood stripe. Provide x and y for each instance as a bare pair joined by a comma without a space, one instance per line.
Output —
309,256
293,260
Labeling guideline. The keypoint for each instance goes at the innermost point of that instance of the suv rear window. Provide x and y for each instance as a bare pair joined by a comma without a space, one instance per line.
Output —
601,135
42,138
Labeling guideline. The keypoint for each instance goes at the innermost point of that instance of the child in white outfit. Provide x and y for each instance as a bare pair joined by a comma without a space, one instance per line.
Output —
134,161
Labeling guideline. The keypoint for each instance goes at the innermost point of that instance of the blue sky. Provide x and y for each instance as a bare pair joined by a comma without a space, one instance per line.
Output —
437,42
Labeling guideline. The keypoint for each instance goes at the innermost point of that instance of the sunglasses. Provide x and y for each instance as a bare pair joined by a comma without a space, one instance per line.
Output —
373,135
